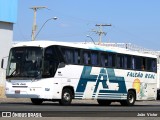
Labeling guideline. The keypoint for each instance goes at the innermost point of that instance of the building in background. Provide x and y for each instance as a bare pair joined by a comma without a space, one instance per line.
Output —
8,17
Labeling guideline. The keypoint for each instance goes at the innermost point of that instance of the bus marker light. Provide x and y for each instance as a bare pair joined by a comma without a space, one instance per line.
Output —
47,89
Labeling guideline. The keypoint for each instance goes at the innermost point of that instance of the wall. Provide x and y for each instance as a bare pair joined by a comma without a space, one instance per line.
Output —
8,16
6,36
8,11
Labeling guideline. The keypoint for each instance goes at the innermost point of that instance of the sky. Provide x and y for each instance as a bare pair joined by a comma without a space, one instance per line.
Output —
133,21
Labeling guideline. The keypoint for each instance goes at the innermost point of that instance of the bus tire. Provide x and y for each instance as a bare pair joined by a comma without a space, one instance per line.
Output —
36,101
104,102
66,97
131,98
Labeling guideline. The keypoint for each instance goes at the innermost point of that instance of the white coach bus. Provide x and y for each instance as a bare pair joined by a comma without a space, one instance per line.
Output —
59,71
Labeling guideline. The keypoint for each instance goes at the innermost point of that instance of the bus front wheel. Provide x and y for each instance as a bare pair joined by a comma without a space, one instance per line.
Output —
66,97
131,98
36,101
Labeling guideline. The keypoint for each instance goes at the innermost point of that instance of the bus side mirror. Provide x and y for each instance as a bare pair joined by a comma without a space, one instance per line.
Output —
2,62
61,65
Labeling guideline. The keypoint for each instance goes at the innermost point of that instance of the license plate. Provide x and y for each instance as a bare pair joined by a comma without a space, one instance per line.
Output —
17,91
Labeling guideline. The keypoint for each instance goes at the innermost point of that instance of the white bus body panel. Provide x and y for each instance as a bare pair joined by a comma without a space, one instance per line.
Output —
101,83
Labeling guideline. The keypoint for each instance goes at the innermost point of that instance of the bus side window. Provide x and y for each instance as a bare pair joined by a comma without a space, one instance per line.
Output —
76,59
104,60
111,60
151,65
129,62
69,55
138,61
48,56
94,58
125,62
86,57
154,65
51,62
133,66
120,61
143,66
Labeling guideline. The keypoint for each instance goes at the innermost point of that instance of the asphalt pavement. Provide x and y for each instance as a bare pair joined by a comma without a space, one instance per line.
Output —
81,109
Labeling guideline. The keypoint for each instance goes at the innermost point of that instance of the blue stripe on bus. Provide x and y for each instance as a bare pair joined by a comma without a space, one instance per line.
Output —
102,49
79,95
111,94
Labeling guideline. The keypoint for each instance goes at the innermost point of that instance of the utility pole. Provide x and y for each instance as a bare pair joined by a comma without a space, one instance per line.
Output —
34,27
100,31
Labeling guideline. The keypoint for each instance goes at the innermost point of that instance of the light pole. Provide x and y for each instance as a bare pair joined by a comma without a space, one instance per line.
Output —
91,38
54,18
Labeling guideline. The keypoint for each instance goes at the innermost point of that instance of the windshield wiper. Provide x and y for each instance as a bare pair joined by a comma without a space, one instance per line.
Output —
11,75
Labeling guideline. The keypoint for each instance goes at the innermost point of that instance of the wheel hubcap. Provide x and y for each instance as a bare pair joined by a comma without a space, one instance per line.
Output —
66,96
131,98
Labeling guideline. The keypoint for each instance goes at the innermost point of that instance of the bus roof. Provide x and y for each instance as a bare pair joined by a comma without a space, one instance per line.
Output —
91,46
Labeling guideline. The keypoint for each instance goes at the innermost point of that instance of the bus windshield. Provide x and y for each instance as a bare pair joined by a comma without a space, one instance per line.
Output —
24,62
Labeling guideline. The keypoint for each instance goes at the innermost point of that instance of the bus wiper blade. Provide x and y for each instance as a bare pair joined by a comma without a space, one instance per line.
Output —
11,75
